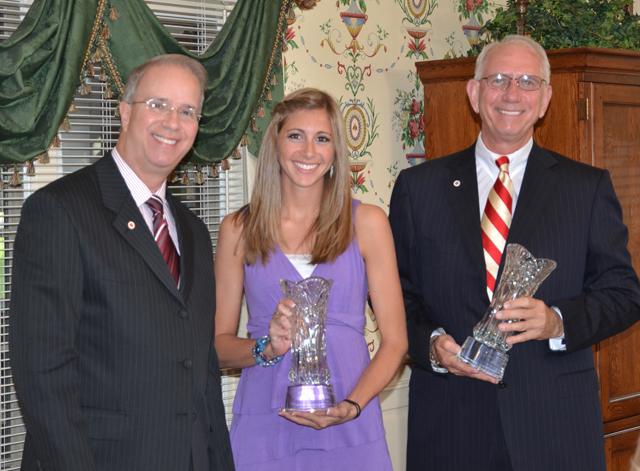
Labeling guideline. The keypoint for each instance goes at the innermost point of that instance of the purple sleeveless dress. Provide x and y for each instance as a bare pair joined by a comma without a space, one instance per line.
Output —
262,440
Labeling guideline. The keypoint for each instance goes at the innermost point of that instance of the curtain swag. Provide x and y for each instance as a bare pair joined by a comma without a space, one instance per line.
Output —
57,44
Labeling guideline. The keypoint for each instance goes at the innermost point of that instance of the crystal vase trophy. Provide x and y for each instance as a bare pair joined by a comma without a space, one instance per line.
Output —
310,389
522,276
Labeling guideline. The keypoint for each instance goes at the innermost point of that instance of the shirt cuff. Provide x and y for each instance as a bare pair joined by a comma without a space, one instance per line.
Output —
557,343
434,365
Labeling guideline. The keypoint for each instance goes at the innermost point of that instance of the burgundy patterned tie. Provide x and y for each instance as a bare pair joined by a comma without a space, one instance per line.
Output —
496,220
162,237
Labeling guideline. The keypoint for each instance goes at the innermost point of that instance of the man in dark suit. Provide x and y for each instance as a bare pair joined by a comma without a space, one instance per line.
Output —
111,331
545,413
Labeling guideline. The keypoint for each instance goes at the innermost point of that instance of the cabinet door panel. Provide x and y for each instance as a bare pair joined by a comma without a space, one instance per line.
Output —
616,145
620,448
449,121
561,128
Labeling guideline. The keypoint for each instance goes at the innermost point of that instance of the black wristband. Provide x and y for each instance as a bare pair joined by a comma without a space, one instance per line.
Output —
356,405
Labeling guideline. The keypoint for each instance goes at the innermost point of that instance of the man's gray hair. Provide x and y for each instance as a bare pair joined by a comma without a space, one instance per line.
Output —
514,39
180,60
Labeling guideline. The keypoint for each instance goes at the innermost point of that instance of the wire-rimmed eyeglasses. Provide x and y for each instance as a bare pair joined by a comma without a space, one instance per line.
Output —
163,107
526,82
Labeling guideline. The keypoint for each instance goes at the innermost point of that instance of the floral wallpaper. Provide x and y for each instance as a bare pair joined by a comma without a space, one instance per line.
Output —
363,52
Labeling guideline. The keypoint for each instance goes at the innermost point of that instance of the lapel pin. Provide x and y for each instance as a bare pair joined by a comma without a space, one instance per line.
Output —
131,225
456,183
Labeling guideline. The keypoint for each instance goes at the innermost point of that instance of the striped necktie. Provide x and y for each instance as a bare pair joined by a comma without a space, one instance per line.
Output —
496,220
162,237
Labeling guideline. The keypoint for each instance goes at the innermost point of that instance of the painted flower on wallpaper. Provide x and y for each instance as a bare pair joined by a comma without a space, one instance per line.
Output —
358,179
290,69
393,171
417,14
456,48
417,46
408,118
289,40
473,9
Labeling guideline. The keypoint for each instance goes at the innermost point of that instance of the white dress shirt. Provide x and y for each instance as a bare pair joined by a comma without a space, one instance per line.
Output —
487,171
141,193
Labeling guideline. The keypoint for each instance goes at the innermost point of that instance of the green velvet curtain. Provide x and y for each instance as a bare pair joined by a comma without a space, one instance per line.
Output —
42,63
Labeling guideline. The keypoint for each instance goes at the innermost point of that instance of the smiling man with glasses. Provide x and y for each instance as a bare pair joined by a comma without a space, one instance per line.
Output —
111,331
159,120
510,91
451,219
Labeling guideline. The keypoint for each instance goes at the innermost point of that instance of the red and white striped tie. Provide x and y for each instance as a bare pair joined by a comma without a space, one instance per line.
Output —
162,237
496,220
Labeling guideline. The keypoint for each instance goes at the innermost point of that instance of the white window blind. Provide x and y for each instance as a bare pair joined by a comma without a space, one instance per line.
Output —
210,191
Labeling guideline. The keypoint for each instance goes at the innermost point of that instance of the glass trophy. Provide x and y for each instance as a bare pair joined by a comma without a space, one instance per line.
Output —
310,389
522,276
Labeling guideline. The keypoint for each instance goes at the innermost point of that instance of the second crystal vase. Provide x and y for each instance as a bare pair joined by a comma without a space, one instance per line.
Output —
522,276
310,389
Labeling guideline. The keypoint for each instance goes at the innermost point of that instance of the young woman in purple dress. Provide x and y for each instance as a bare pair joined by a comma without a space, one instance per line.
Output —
301,221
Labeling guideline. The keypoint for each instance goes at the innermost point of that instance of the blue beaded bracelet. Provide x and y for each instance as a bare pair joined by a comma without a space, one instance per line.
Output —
257,352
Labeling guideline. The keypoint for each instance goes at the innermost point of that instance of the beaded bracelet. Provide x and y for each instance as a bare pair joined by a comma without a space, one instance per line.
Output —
356,405
257,352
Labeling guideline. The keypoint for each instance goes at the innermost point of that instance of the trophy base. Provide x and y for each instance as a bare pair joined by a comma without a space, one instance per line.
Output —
484,358
309,398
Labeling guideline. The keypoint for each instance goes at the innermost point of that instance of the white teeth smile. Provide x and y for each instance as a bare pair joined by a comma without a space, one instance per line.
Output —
164,140
305,166
510,113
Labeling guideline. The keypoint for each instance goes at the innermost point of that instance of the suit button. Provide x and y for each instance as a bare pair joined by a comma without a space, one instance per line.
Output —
502,385
187,363
183,313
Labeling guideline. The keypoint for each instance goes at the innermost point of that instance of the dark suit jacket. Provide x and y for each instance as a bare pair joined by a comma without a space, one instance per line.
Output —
113,365
548,405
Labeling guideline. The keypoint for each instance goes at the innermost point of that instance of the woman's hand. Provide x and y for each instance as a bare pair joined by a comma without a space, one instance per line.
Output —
341,413
280,329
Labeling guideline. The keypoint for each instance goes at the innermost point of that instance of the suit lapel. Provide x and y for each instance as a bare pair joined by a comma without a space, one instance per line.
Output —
128,221
538,189
462,192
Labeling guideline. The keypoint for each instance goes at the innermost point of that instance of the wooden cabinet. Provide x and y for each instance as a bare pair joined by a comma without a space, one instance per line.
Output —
594,117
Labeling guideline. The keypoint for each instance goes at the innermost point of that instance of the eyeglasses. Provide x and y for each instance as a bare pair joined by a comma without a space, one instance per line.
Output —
502,82
164,107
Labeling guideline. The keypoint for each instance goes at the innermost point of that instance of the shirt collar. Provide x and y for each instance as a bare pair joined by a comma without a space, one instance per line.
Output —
139,191
517,159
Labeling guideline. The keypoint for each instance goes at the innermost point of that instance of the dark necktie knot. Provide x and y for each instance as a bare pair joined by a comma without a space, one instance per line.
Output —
155,203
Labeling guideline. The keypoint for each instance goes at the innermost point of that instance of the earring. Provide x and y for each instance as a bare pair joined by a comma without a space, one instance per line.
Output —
331,171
